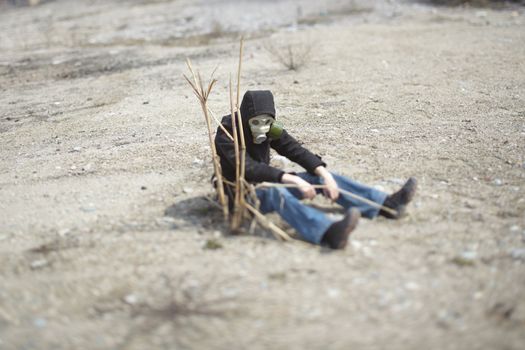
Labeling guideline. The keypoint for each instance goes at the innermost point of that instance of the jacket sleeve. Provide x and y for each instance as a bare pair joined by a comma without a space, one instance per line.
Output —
288,147
254,171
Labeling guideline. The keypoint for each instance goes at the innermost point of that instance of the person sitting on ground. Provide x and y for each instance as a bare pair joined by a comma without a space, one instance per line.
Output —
258,114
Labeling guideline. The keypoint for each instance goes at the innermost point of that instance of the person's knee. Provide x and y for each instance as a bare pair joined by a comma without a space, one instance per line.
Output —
279,193
273,196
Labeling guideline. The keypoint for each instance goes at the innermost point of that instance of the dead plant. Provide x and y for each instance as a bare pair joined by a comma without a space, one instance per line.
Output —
203,94
292,56
180,308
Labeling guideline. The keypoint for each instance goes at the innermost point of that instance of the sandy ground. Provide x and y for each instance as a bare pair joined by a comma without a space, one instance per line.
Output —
107,240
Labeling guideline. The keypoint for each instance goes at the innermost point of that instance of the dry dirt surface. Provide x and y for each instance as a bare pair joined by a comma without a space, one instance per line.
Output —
108,241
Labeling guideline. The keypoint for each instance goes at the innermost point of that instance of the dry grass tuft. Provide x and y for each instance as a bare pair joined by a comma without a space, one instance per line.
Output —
181,308
474,3
291,56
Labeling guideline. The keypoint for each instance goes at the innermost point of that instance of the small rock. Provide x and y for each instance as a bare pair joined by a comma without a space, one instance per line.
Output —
131,299
57,61
168,219
374,130
38,264
145,103
212,244
478,217
295,82
497,182
73,167
481,14
470,205
514,228
77,149
518,254
64,232
197,162
333,293
367,252
466,258
356,244
89,208
411,286
187,190
229,292
143,188
279,276
39,322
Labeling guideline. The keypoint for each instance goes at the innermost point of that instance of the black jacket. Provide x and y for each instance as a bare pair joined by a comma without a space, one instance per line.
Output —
255,103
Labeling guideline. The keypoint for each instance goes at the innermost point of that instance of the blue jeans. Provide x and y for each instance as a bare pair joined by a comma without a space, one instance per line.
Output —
309,222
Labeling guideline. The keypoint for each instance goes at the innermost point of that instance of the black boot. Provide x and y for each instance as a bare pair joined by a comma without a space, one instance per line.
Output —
399,200
336,236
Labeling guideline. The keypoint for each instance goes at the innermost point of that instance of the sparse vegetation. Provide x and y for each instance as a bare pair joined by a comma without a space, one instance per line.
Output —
291,56
179,307
478,3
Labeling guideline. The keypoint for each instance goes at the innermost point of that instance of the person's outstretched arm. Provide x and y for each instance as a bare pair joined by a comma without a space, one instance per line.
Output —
288,147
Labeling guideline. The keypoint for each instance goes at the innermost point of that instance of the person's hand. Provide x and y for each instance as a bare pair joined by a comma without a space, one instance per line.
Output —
306,189
331,189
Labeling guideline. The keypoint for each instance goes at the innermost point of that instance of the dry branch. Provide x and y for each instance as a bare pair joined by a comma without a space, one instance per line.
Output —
202,96
237,207
220,124
240,149
261,219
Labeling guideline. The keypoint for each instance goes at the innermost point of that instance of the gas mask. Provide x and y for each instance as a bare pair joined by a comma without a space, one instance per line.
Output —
260,126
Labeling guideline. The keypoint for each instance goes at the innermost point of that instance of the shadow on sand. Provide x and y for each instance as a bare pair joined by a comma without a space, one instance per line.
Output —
200,212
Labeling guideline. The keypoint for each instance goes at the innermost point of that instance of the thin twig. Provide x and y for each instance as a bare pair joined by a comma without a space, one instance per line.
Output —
220,124
241,127
279,233
237,209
